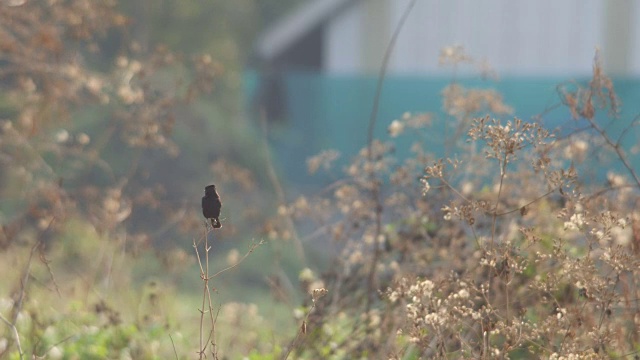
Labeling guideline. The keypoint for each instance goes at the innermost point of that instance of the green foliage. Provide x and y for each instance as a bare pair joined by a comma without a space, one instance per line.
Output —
87,332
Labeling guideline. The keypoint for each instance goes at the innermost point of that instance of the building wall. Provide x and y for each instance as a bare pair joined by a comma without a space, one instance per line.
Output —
343,39
541,37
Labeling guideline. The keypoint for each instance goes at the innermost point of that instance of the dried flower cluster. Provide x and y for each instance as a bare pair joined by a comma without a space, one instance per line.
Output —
55,169
500,252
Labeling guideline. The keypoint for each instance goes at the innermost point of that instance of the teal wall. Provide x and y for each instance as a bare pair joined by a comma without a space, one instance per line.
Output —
332,112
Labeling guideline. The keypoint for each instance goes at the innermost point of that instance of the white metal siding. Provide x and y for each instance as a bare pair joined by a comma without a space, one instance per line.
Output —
523,37
635,40
343,38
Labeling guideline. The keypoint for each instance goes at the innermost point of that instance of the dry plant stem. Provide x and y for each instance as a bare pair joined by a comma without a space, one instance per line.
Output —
449,186
204,275
628,128
206,296
175,352
251,249
503,169
16,336
23,286
375,193
507,212
382,75
56,344
23,141
27,273
607,303
53,278
568,327
371,280
617,148
18,305
460,195
506,294
273,177
300,331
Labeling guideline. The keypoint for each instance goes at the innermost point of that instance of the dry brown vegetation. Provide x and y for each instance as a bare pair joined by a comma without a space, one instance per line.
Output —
502,251
499,250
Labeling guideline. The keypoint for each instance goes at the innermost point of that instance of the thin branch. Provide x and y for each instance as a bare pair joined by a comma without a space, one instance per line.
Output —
303,327
632,123
14,330
175,352
275,181
23,284
251,249
617,148
204,275
302,330
46,263
503,170
383,73
375,194
507,212
58,343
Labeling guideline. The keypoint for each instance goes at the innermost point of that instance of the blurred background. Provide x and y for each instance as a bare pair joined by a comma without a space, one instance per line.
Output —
116,114
315,69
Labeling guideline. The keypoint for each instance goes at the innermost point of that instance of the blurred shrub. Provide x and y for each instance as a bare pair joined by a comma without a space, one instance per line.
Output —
500,250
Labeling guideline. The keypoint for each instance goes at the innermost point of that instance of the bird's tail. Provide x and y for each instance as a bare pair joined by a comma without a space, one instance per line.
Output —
215,222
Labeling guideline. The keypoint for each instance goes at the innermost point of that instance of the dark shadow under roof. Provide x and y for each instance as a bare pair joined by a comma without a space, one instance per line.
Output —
294,26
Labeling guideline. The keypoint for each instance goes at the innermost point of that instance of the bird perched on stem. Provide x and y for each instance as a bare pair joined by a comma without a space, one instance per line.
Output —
211,206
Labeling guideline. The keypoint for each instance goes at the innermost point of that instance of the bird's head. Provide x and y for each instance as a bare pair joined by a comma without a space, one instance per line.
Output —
210,189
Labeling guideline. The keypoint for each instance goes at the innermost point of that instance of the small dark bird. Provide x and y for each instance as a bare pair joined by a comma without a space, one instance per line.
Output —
211,206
